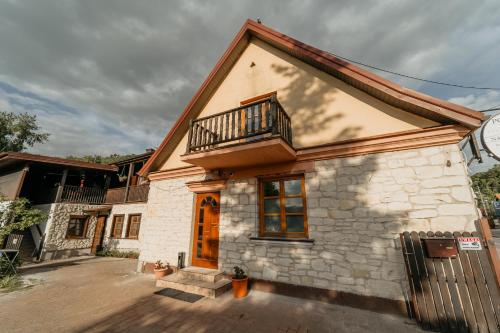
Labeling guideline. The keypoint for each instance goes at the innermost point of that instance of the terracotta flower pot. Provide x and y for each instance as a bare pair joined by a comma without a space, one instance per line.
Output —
240,287
159,273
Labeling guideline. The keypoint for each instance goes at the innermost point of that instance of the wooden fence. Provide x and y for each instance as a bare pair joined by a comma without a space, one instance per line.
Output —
452,294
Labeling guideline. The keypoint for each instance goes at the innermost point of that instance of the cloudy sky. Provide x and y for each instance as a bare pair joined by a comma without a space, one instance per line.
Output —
112,76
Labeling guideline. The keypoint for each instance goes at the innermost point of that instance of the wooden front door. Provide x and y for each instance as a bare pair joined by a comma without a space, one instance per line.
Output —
206,230
98,234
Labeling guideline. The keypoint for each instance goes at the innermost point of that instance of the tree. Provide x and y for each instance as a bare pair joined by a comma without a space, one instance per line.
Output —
113,158
486,185
19,131
18,215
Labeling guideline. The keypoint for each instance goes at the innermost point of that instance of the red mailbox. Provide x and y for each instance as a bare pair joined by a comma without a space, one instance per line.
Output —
440,247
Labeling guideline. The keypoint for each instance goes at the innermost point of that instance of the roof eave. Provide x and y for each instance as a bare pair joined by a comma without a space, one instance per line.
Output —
447,110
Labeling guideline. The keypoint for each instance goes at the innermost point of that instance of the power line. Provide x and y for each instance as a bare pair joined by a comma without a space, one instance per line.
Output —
414,77
495,108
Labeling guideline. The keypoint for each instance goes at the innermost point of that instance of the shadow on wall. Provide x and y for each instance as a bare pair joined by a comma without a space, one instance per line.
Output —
356,210
305,100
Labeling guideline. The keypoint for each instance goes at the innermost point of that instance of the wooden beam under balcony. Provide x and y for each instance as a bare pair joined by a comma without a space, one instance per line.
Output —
269,151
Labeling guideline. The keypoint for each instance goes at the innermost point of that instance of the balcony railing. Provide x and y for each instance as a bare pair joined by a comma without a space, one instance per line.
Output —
137,193
115,195
252,122
77,194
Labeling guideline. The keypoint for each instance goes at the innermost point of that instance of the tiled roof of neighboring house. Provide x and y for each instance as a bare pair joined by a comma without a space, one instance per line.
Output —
409,100
135,158
55,160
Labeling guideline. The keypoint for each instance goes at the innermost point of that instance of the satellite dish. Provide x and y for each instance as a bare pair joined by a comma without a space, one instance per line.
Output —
490,136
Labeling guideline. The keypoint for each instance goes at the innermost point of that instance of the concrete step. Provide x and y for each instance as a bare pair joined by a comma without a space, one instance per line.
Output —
195,286
201,274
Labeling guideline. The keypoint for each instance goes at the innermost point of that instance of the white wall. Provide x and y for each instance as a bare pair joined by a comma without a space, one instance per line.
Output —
167,226
124,244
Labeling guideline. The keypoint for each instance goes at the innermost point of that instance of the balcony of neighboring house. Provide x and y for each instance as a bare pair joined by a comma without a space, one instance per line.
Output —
256,133
135,193
128,186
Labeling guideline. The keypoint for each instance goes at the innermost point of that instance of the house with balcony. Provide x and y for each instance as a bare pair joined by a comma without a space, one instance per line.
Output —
303,169
127,195
72,193
89,205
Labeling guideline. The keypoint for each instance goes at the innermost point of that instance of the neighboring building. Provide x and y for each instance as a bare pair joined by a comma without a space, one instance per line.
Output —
71,192
78,198
128,196
309,177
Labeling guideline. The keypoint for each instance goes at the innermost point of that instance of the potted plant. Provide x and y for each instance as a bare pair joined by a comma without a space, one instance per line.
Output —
239,283
160,269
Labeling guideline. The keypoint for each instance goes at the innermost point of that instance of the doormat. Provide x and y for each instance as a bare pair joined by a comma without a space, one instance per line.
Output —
179,295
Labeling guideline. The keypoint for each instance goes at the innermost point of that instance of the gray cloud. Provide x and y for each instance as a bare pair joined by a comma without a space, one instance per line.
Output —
128,68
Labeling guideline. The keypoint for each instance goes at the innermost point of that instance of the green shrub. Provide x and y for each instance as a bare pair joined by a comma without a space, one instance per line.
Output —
119,254
5,269
10,283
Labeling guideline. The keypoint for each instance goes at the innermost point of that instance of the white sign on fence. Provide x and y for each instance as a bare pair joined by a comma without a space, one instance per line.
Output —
470,243
490,136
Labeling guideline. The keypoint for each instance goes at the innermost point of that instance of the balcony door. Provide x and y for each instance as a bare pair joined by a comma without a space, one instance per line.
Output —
206,230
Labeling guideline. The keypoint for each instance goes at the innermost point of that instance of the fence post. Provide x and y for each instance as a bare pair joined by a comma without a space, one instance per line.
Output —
493,254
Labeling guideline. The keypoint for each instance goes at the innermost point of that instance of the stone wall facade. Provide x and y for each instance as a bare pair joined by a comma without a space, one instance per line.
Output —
168,223
124,244
356,209
56,244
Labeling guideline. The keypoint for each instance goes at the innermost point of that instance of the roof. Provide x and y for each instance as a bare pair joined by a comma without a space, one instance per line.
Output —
409,100
16,156
135,158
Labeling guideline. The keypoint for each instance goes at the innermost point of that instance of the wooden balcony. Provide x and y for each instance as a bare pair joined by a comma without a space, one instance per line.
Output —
253,134
137,193
77,194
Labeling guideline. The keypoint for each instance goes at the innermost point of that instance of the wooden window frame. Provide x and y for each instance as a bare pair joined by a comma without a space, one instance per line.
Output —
113,224
129,220
281,197
258,98
85,226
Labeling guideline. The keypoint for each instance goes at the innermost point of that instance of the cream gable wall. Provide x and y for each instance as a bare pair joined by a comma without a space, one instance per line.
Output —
323,109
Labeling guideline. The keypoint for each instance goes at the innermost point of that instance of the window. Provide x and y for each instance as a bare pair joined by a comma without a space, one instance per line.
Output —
134,222
116,231
283,207
77,227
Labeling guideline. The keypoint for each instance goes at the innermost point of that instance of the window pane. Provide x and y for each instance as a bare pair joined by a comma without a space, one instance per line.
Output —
295,223
200,232
293,187
198,249
76,227
202,212
118,228
134,229
271,206
293,205
272,224
271,189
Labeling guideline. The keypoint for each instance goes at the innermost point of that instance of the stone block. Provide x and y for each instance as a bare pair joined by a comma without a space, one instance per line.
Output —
456,209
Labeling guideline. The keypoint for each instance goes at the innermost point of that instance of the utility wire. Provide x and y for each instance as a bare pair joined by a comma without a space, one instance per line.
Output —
414,77
495,108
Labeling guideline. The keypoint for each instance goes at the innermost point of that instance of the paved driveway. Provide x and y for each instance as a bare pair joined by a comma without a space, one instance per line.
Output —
105,295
